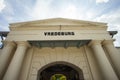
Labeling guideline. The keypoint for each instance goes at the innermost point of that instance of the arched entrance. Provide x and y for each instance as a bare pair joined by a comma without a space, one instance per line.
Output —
60,71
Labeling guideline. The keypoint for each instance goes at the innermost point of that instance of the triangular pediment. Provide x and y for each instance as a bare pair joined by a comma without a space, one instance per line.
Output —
58,21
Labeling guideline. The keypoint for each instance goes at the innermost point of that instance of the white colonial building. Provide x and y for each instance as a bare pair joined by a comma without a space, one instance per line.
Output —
59,49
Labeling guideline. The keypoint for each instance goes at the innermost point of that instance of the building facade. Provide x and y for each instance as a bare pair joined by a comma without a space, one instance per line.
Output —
59,49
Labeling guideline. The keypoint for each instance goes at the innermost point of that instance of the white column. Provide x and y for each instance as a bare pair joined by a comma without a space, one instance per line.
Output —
26,65
103,63
16,63
6,56
114,55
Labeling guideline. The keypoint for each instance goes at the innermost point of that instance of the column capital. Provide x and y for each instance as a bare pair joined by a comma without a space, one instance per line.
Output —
105,42
95,42
10,43
23,43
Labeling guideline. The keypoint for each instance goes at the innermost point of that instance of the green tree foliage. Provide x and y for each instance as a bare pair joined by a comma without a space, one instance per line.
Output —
58,77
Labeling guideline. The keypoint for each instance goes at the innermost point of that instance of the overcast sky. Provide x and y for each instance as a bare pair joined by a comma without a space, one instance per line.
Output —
91,10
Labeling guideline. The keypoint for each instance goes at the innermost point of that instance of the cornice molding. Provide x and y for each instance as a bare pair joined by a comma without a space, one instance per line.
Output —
107,42
46,27
56,22
95,42
23,43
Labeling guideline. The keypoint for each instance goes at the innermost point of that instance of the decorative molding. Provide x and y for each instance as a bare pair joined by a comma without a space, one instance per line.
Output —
23,43
95,42
107,42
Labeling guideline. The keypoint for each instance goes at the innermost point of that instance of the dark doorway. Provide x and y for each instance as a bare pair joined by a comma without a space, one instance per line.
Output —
60,72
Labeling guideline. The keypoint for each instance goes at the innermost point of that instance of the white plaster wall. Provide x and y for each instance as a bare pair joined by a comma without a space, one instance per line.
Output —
39,35
43,56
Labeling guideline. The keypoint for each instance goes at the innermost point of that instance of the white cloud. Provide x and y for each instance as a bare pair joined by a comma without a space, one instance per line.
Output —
3,27
2,5
117,37
102,1
41,9
69,11
113,20
72,11
8,12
